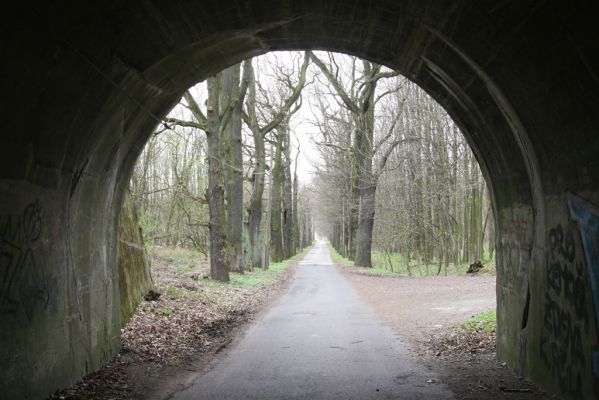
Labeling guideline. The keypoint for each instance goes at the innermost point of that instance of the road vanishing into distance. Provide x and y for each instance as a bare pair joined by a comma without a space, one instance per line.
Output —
319,341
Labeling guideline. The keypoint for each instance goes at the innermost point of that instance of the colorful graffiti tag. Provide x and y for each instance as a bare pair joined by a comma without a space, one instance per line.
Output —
587,217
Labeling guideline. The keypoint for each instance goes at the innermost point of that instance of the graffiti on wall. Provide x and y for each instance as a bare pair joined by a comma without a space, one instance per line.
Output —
23,288
514,250
565,319
586,216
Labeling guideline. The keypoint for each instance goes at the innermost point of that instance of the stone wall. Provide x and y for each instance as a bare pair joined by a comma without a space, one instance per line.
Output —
135,279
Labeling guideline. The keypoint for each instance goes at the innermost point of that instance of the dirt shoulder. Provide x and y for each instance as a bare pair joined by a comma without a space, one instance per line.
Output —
425,311
419,307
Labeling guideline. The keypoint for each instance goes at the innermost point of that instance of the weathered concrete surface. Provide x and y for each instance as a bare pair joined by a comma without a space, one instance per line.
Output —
135,279
83,83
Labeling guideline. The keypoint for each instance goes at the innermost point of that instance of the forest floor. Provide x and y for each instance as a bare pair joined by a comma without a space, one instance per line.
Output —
171,338
428,311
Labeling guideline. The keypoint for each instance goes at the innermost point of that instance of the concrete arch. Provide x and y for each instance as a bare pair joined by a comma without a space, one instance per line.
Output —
87,83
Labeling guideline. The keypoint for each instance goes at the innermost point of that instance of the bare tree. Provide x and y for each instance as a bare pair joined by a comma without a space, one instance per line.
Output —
222,124
359,99
259,129
424,182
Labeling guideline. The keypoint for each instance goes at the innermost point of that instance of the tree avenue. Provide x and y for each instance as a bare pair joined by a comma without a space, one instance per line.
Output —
395,176
390,173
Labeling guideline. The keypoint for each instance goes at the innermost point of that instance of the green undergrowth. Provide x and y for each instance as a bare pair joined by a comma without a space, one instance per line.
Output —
183,260
395,265
177,292
184,273
339,259
265,276
486,322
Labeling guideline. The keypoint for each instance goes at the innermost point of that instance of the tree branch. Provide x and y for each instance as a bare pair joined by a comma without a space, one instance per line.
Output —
187,124
335,82
195,108
383,160
297,90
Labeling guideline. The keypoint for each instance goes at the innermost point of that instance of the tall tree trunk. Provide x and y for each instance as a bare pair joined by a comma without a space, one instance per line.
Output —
366,182
255,206
365,226
475,214
308,230
466,214
287,198
294,214
219,254
247,255
354,209
222,125
456,202
231,89
276,238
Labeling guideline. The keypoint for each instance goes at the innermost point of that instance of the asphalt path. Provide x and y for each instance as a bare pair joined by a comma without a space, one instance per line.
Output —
320,341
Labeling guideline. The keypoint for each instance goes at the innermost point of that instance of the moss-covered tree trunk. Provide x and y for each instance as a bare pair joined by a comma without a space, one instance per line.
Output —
255,207
365,227
287,198
366,182
219,252
232,94
276,236
295,235
222,124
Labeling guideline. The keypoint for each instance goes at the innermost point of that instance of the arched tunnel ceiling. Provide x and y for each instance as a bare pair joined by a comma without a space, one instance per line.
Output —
463,53
86,82
154,50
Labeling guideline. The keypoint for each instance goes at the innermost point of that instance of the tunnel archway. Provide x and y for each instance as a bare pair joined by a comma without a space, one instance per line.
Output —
90,82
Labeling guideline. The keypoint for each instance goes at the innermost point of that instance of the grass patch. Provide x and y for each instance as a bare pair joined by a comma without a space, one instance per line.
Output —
175,292
209,299
486,322
265,276
395,265
283,265
165,311
339,259
177,269
249,279
185,260
186,268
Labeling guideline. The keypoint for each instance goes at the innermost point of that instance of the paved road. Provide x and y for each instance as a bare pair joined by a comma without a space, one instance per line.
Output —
320,341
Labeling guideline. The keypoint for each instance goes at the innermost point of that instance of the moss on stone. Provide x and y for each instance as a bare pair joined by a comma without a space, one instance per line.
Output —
135,279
